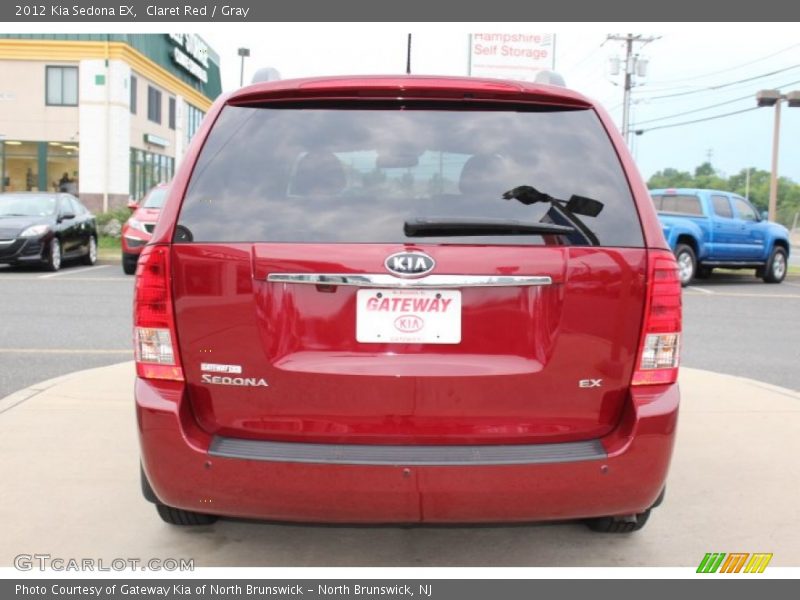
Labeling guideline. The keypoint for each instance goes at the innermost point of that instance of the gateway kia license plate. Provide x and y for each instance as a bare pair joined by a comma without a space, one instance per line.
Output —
398,316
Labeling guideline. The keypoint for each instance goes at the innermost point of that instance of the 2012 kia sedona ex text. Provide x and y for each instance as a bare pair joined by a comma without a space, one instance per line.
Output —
407,299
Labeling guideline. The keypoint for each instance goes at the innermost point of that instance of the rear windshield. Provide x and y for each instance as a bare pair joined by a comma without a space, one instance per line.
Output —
679,204
358,175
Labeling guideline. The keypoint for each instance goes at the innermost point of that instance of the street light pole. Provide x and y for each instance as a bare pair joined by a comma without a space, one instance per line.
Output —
773,180
243,52
774,98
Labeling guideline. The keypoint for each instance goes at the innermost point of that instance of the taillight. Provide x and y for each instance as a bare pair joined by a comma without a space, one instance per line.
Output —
659,350
155,344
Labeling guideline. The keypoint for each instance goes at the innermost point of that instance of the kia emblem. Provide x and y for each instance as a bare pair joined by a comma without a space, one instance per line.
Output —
409,264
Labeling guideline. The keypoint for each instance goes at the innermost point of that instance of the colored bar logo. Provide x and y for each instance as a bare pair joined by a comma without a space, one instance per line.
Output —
735,562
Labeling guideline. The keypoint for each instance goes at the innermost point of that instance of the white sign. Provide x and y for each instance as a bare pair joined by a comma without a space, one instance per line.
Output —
408,316
511,55
191,53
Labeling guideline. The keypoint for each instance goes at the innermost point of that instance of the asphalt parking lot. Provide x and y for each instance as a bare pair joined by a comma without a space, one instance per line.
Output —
56,323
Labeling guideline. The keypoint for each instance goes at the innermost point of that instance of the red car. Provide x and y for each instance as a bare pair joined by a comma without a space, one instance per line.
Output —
137,230
407,299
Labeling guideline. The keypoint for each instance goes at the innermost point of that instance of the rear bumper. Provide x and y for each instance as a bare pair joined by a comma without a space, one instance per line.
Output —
622,473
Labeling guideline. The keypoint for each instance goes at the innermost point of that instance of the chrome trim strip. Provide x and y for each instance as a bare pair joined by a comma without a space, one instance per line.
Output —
366,454
384,280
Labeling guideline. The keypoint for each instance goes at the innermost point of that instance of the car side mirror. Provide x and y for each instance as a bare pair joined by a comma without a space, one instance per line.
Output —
764,215
133,205
66,216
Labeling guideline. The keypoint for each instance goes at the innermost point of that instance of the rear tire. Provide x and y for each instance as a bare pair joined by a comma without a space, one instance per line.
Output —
627,524
54,255
687,263
129,263
91,254
775,270
178,516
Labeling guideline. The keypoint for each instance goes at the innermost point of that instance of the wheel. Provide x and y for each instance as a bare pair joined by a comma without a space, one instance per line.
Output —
178,516
91,254
54,255
687,263
627,524
129,263
703,272
775,270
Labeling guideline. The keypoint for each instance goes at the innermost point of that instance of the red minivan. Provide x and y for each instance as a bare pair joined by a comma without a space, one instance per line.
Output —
407,299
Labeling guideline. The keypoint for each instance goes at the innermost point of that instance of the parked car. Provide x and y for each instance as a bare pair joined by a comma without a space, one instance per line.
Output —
711,228
407,299
138,229
40,228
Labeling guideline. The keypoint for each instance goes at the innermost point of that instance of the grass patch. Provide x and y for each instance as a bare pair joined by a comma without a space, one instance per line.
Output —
109,243
109,248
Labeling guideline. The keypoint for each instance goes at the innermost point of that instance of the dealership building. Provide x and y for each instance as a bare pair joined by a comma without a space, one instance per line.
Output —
104,116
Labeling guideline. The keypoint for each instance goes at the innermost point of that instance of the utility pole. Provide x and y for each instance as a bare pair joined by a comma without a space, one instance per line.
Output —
632,67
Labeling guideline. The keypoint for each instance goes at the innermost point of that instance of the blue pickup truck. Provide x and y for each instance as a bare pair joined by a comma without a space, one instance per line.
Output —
711,228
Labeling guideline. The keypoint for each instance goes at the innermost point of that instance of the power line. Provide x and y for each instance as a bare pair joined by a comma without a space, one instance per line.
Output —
592,53
632,64
724,85
752,62
710,106
730,114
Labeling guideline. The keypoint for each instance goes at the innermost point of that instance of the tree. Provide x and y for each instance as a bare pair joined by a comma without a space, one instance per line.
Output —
706,177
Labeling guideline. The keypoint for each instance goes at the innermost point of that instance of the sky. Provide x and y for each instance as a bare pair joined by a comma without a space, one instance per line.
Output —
694,71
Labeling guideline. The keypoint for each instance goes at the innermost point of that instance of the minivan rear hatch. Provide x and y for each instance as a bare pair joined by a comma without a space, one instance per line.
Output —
408,272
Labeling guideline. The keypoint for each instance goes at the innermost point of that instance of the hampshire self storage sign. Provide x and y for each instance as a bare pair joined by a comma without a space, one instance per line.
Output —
511,55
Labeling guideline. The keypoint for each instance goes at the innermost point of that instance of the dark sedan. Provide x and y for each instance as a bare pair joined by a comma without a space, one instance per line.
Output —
45,229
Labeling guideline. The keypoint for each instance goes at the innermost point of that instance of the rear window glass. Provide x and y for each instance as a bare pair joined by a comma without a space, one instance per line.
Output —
357,175
679,204
722,208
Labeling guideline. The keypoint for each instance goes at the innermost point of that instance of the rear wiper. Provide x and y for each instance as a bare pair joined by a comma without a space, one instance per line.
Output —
451,227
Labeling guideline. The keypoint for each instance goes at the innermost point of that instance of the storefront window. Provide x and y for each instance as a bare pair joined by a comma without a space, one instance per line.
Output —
38,166
62,167
147,170
21,167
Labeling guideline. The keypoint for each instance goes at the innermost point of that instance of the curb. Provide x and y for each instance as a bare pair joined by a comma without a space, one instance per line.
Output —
16,398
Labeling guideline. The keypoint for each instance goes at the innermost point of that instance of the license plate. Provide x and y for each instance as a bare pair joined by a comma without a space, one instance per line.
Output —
398,316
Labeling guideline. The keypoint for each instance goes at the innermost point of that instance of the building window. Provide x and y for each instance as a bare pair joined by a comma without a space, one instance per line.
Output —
172,113
153,104
61,86
194,117
134,90
149,169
